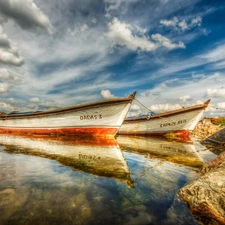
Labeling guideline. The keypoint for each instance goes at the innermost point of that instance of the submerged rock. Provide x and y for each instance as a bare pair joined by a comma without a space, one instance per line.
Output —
206,196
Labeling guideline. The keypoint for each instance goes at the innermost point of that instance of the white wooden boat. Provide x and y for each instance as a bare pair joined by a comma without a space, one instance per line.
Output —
179,123
96,119
98,156
165,150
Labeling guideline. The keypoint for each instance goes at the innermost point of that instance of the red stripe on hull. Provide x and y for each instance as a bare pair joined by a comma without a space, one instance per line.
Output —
96,131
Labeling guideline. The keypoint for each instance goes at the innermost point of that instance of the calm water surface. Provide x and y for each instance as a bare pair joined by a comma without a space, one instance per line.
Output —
127,181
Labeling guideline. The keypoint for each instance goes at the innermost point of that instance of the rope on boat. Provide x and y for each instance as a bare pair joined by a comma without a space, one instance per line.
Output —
149,117
148,109
143,105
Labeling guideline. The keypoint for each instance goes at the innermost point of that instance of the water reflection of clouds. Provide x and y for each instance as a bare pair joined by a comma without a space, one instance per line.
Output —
44,188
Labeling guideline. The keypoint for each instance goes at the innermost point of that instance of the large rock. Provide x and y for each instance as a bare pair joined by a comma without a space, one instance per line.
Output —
206,196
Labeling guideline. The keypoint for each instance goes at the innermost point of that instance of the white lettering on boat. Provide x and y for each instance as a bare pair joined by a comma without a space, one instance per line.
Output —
91,117
173,123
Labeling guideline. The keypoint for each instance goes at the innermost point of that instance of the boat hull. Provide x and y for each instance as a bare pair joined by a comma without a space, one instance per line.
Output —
97,119
178,123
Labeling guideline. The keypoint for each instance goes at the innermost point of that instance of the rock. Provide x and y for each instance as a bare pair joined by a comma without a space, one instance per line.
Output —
206,196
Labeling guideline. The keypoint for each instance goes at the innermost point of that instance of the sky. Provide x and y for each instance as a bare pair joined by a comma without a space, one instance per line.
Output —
66,52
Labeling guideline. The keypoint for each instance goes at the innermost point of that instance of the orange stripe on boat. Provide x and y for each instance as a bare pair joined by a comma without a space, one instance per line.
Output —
96,131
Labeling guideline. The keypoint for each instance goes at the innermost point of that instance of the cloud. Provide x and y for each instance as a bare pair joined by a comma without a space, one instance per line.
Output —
134,107
34,99
166,42
112,5
187,92
84,27
33,104
165,107
8,79
215,93
4,42
170,23
8,52
10,58
47,104
185,98
182,25
215,55
5,107
26,14
106,94
9,76
220,105
4,87
220,65
121,34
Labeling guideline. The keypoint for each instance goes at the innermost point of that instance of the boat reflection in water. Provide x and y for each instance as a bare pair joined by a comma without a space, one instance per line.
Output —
97,156
183,153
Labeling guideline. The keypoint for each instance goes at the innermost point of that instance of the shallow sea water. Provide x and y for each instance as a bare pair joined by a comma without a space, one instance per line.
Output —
127,181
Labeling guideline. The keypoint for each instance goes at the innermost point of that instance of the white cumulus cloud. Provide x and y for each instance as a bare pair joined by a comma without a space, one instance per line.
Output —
165,107
122,34
106,94
182,24
220,105
10,58
135,107
166,42
215,93
34,99
185,98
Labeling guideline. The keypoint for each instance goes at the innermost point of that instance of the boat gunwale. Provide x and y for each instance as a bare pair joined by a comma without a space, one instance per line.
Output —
79,107
169,113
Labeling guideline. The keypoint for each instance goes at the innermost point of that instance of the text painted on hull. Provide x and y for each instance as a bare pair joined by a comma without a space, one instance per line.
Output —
173,123
91,117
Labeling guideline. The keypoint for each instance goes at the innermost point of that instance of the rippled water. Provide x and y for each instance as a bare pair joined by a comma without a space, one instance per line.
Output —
126,181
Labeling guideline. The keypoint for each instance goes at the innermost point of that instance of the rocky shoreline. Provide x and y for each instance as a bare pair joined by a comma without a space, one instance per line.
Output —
205,197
